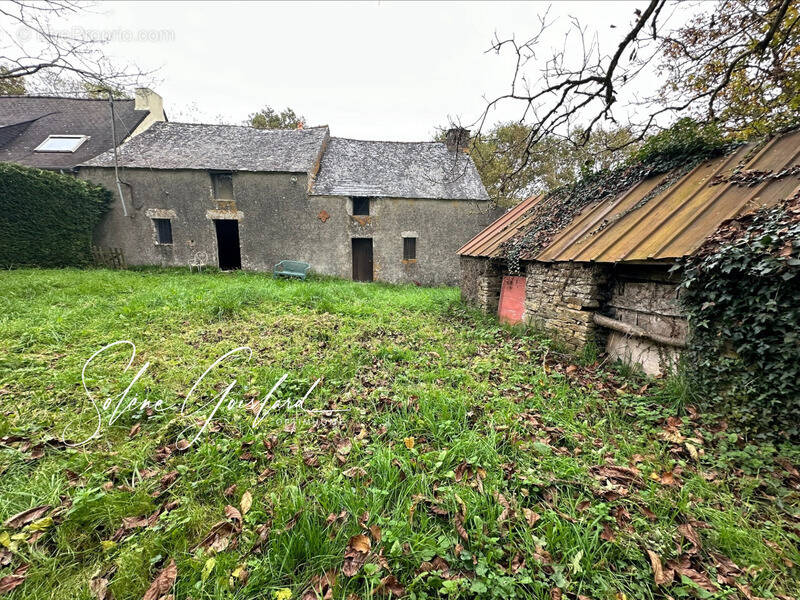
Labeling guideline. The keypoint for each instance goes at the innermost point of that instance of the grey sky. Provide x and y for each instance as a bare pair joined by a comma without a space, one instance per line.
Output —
369,70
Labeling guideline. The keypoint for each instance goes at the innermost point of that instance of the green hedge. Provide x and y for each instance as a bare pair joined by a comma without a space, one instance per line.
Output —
47,219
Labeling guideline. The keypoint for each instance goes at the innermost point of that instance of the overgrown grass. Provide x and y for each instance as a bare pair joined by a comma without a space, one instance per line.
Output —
443,418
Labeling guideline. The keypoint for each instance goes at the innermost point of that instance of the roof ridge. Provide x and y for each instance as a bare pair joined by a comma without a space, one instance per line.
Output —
384,141
242,126
52,97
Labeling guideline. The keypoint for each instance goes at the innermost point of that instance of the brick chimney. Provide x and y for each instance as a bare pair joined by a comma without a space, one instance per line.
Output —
147,99
457,139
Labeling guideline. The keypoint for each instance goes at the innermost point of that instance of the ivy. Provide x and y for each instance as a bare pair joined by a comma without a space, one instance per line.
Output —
742,298
674,152
47,219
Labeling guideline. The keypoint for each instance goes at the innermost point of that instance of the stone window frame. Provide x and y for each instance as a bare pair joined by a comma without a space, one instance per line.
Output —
364,203
409,235
216,176
161,214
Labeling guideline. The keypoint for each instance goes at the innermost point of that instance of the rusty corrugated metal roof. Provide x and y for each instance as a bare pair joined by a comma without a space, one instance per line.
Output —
489,241
644,223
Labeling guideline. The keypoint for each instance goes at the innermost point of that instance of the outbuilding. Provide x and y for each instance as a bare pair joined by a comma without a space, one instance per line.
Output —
604,273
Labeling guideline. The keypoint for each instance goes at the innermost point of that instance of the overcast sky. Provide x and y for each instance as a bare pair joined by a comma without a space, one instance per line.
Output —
372,70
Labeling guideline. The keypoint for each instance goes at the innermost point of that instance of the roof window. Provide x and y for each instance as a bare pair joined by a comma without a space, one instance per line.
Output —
61,143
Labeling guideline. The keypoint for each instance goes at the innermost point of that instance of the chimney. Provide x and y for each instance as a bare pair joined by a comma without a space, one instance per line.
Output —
147,99
457,139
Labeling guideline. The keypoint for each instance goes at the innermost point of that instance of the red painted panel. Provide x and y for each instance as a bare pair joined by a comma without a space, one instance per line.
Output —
512,300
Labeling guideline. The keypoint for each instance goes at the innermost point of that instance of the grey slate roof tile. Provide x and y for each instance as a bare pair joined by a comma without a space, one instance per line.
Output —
219,147
26,121
397,170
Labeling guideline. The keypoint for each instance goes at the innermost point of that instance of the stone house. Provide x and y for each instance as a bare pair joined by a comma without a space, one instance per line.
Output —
239,197
605,275
58,133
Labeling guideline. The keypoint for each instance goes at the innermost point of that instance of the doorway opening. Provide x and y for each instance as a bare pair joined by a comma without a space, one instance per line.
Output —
362,259
230,256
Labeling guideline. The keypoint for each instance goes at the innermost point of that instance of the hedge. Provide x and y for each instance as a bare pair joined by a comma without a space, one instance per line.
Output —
47,219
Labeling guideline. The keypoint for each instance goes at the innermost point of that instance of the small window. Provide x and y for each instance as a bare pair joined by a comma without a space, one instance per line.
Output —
223,186
409,248
361,206
163,231
61,143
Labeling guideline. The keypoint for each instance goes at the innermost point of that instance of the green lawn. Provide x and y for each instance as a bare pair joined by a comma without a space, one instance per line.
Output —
464,460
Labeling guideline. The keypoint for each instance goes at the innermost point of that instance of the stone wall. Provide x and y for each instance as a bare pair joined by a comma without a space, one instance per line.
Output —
647,297
561,298
480,283
278,220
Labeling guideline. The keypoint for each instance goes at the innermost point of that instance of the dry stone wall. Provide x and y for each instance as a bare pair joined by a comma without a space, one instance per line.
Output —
561,298
481,279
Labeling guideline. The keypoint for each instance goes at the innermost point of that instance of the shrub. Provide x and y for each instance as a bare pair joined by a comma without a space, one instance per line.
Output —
742,297
47,219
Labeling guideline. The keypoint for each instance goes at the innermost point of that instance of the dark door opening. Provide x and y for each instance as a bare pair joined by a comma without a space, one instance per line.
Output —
230,256
362,259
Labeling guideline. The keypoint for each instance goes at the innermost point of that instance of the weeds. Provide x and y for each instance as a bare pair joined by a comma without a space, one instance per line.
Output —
474,461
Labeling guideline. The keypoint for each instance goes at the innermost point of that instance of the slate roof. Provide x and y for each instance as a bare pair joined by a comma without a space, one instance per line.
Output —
26,121
397,170
650,222
219,147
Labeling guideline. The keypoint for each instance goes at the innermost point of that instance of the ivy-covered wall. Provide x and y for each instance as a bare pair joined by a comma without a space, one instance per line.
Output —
742,297
47,219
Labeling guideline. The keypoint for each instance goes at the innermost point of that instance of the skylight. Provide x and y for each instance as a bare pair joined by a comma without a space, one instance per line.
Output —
61,143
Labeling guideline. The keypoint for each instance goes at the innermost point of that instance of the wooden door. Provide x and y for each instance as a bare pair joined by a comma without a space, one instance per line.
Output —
362,259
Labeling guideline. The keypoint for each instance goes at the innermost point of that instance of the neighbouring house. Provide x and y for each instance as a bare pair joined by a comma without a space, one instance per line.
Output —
605,275
239,197
58,133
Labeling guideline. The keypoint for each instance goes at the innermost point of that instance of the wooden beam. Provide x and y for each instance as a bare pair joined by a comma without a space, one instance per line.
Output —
634,331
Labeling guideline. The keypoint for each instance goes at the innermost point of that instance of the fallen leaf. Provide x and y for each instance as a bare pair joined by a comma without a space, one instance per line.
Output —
390,586
506,512
26,516
17,578
355,554
233,514
360,543
354,472
648,513
246,502
163,582
293,521
615,473
608,533
218,538
531,517
98,586
660,577
168,479
333,517
376,532
687,531
682,566
321,587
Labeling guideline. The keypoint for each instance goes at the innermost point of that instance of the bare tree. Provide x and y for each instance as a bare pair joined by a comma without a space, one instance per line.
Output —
579,84
37,42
